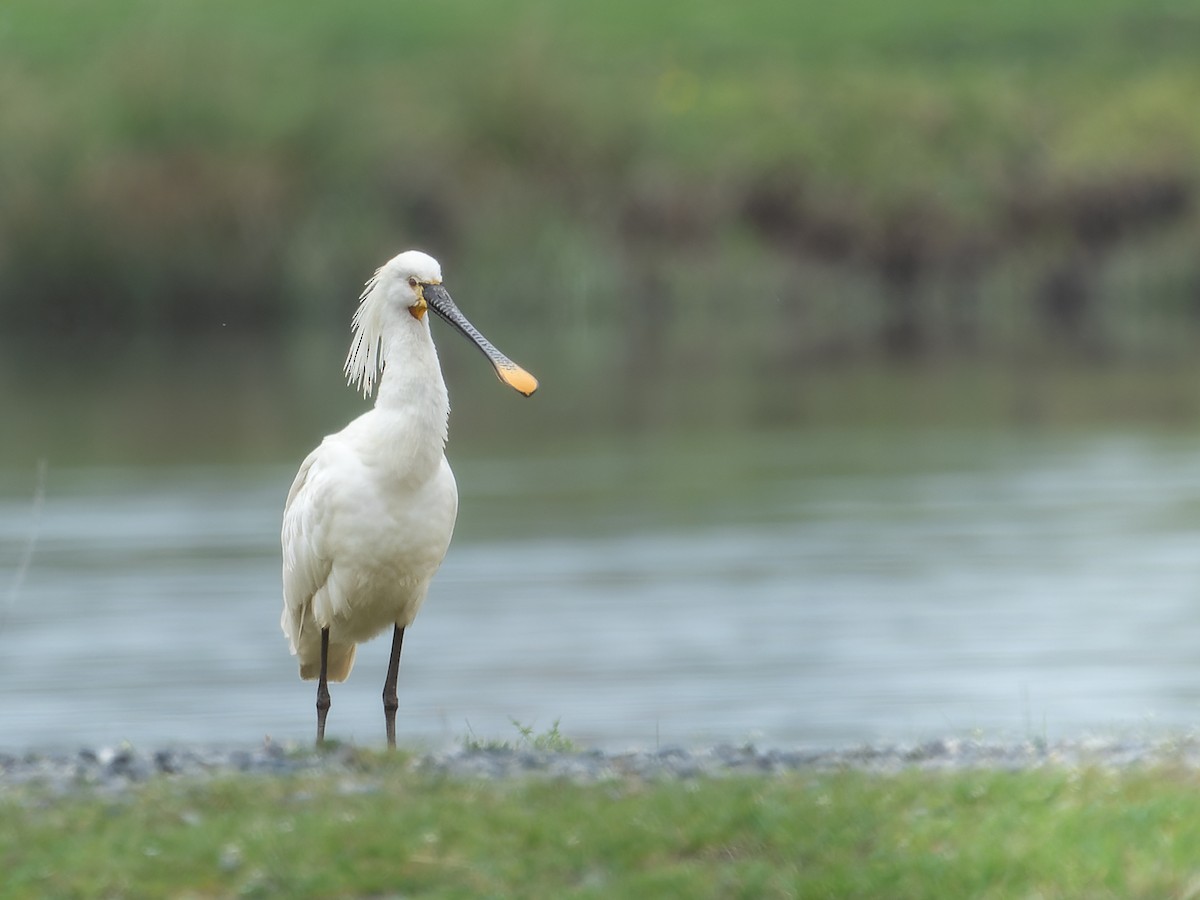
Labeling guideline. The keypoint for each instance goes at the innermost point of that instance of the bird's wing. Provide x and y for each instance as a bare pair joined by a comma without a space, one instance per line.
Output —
306,565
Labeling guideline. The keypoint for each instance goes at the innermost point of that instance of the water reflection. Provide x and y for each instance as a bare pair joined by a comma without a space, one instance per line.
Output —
831,586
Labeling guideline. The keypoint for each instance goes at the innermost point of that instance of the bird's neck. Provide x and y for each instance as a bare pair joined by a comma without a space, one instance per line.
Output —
412,385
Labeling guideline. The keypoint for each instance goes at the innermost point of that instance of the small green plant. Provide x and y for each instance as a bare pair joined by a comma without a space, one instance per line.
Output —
473,742
551,740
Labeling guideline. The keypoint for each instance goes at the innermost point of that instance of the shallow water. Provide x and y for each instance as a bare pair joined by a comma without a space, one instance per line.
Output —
814,586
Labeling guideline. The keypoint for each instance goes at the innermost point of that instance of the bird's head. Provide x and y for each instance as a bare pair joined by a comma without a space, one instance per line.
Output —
412,282
403,279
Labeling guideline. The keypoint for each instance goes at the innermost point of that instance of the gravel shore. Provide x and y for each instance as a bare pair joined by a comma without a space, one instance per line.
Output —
116,769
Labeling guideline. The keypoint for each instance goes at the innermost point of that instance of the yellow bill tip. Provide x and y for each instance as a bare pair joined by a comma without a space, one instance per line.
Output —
517,379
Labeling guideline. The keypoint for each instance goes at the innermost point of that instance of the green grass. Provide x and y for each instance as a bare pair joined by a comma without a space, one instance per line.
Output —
388,831
187,165
549,741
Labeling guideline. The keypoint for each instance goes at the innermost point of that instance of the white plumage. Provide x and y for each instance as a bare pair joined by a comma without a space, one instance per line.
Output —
370,514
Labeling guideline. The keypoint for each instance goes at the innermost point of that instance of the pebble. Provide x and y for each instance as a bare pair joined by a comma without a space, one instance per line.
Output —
113,770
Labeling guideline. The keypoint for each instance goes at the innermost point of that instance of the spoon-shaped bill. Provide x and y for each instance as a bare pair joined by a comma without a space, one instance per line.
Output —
509,372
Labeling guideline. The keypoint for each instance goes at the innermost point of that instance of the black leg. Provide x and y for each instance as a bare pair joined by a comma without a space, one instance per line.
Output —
390,701
323,702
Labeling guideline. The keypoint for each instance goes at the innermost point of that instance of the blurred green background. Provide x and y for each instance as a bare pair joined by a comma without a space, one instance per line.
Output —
878,317
749,193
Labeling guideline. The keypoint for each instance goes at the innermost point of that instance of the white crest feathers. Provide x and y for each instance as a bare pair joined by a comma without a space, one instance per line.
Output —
364,362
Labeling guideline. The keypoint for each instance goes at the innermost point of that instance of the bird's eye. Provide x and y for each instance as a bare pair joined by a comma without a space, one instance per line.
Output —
412,281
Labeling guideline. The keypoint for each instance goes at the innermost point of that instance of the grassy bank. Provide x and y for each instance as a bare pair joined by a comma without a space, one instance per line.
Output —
1045,832
862,178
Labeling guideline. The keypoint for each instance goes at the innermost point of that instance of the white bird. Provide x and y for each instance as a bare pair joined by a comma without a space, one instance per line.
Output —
369,516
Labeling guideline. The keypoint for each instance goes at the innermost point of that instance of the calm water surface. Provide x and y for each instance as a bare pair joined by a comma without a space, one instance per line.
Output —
786,587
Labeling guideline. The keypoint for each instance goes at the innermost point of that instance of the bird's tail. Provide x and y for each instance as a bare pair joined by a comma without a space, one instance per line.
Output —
341,661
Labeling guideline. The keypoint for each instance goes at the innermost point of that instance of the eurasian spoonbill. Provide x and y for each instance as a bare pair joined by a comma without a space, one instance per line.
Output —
369,515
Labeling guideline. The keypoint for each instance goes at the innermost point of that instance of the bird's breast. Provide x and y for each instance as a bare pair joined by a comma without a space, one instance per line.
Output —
391,539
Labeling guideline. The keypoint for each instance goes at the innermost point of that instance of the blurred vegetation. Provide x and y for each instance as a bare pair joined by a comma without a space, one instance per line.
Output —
807,181
387,831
